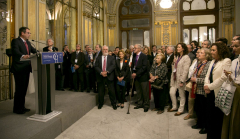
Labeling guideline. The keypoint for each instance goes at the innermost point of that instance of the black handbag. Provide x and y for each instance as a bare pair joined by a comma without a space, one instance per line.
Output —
157,84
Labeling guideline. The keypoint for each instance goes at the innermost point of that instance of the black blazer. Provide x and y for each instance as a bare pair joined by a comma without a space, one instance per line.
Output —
86,61
45,49
142,75
125,72
80,61
110,67
66,62
95,56
18,50
153,55
169,66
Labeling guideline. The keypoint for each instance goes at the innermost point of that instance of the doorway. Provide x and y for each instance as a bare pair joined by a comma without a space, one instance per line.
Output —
135,23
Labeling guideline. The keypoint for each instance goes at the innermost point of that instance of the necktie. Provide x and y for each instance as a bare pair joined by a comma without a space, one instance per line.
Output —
136,60
104,64
26,47
77,54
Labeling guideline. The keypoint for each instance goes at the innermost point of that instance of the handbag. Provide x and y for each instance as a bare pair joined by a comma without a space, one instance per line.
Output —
122,83
72,69
225,96
189,86
157,84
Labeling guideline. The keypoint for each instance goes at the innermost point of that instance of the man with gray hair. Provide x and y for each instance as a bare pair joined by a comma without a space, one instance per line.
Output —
50,47
140,74
206,44
105,68
169,60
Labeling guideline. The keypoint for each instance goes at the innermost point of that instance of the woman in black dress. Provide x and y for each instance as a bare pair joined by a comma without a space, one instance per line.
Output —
122,72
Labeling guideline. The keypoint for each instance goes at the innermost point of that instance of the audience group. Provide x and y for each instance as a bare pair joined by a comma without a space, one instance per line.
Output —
186,77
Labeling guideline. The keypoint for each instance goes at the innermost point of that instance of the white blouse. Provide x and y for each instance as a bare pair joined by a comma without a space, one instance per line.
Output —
121,64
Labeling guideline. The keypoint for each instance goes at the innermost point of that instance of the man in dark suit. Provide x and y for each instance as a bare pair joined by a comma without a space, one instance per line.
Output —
58,66
195,46
77,60
50,47
190,53
89,70
141,76
66,65
21,49
98,53
154,51
105,67
169,61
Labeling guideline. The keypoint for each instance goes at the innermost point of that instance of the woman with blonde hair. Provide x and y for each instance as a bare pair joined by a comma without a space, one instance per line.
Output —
197,91
158,77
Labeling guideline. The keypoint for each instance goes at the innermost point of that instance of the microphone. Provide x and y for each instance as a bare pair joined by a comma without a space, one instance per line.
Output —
39,42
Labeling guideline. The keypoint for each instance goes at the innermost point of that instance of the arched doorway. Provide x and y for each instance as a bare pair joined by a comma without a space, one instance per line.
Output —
199,20
135,23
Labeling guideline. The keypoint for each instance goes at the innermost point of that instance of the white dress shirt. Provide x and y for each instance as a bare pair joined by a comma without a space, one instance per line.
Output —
168,56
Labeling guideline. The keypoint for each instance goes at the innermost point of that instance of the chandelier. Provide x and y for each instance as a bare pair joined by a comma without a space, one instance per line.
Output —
165,4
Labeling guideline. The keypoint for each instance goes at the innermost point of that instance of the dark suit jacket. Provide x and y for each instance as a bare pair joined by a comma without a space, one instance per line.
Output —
18,50
86,61
150,59
66,63
80,61
142,74
169,66
95,56
124,72
191,56
110,67
195,51
153,55
45,49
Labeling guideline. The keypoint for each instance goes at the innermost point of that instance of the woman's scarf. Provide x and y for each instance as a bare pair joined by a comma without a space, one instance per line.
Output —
197,72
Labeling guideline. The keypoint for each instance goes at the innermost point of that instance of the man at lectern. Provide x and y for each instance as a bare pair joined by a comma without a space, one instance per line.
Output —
21,49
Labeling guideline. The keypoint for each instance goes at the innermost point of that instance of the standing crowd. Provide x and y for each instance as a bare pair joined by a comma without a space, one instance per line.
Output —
189,73
195,75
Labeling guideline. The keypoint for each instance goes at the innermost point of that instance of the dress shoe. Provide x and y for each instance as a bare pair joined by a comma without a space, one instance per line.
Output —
160,112
82,91
203,131
114,107
177,114
75,90
26,110
125,100
99,106
88,91
118,105
137,107
136,102
122,106
19,112
145,109
187,117
171,110
155,109
196,126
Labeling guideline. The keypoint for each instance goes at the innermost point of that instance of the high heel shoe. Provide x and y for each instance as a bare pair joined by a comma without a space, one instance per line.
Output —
122,106
118,105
